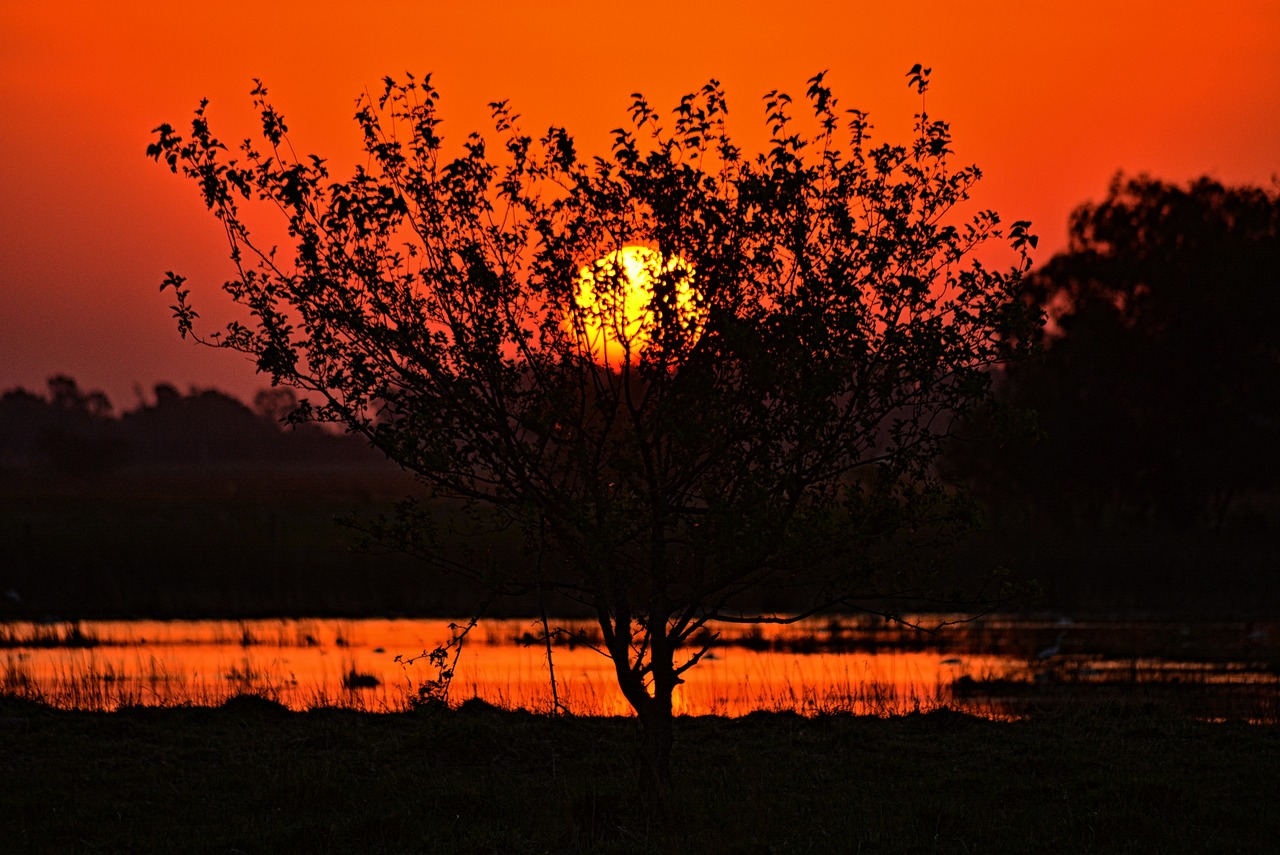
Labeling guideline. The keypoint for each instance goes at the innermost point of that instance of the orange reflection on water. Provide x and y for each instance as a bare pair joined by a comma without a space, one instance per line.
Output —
309,663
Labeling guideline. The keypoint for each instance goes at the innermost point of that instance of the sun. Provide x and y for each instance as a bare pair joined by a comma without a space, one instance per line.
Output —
613,314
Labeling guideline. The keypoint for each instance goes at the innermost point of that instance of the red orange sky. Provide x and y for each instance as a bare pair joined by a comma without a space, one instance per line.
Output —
1049,98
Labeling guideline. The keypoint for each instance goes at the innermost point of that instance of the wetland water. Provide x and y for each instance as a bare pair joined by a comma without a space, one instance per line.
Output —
997,666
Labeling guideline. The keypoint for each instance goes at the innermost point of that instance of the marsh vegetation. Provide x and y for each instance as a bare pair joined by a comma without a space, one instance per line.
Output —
998,667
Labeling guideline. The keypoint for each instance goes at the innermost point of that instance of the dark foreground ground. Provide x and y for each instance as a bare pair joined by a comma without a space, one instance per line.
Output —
251,777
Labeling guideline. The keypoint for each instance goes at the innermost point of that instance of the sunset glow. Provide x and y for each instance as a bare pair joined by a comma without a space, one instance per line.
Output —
614,310
1049,100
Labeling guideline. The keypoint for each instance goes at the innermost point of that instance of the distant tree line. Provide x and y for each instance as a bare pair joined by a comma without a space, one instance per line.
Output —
78,431
1137,456
1157,393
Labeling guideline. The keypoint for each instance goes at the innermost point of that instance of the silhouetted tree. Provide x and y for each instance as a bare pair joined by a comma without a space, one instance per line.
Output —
1159,390
805,359
205,426
69,429
22,414
65,395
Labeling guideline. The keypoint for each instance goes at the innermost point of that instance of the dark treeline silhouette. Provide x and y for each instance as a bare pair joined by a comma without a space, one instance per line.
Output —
193,505
77,432
1154,406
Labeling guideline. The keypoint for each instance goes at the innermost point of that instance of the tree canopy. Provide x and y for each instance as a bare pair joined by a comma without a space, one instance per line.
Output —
845,314
1159,388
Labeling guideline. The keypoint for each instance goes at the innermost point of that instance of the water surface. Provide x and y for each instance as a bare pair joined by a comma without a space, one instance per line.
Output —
821,665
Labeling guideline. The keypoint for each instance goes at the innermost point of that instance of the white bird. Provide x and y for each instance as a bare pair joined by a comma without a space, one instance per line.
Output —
1053,650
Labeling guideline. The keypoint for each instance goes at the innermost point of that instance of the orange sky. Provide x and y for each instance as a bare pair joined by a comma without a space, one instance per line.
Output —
1049,98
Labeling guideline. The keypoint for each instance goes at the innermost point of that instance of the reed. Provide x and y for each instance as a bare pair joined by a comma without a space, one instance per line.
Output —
304,664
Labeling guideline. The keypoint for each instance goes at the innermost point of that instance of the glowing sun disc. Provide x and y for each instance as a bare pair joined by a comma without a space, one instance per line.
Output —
613,314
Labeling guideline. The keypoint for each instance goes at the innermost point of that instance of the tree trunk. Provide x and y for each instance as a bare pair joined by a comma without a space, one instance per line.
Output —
655,755
652,705
656,733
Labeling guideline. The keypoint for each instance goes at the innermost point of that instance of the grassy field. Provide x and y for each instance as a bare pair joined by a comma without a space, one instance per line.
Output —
251,777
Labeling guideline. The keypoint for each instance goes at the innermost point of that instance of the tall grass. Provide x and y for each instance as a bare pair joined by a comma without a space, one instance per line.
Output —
98,684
